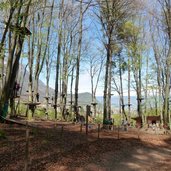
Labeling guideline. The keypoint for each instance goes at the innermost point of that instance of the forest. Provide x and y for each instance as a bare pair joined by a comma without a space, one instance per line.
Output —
114,48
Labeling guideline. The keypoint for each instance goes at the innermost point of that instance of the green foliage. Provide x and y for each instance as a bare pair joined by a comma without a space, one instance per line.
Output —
128,31
22,109
40,113
99,119
4,5
152,112
117,119
124,66
51,114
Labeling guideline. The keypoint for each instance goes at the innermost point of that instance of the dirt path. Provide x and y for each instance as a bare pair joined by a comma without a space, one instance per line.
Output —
74,151
124,155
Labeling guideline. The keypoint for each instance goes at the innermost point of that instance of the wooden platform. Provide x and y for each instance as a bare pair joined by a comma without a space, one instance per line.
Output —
16,97
30,103
8,120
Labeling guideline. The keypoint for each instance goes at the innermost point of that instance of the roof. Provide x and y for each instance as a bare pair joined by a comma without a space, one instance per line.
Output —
157,118
137,118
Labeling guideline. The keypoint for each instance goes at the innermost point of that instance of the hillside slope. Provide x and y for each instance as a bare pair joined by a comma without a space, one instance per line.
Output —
83,98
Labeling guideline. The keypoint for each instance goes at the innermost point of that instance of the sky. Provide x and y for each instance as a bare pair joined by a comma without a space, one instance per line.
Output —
85,84
84,80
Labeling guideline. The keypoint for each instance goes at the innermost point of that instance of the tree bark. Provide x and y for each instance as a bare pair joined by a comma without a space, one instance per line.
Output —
78,58
58,57
8,87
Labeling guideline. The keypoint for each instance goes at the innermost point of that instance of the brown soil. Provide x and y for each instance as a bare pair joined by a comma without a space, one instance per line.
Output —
52,149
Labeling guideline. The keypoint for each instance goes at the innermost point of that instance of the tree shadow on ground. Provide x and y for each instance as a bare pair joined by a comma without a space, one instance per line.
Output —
72,150
109,154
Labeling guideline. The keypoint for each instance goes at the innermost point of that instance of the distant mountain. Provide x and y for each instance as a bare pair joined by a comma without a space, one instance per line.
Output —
115,101
42,88
83,98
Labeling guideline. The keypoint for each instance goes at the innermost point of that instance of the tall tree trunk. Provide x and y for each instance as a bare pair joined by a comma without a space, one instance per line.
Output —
121,88
2,75
48,63
167,88
12,98
58,56
105,96
64,83
8,87
129,89
140,92
22,83
159,76
95,89
2,54
146,88
39,61
71,87
78,58
48,70
7,27
31,60
109,82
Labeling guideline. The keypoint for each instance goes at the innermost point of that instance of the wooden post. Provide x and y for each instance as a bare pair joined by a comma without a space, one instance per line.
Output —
98,131
88,109
62,130
81,127
118,132
27,148
55,123
138,132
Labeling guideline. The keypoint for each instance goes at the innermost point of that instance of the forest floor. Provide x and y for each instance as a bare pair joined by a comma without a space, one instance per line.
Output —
65,148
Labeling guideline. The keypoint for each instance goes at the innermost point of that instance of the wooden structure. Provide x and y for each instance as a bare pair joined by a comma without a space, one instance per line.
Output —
94,104
88,110
140,99
150,120
47,98
16,97
138,121
153,119
55,106
31,106
12,121
28,91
